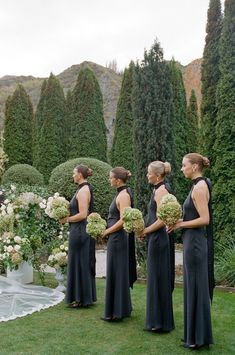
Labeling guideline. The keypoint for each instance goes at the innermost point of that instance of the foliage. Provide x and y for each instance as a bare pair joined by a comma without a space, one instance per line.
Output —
225,264
122,150
61,181
192,123
224,167
153,118
3,162
58,258
22,174
88,130
210,77
50,128
18,127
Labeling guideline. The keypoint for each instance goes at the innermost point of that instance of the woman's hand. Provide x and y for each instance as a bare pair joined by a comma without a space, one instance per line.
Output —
142,235
177,225
64,220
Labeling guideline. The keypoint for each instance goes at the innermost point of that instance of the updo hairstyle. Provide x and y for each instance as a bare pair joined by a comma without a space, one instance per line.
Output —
84,170
121,173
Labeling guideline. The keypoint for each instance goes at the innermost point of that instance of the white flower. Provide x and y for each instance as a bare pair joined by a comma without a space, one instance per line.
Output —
5,248
17,239
62,247
42,205
3,213
17,247
66,248
8,241
6,201
56,194
51,258
3,207
1,192
9,248
10,209
60,236
13,188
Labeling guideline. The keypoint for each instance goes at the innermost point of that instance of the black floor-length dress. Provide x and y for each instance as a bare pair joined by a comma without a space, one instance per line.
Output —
159,310
117,297
197,317
81,258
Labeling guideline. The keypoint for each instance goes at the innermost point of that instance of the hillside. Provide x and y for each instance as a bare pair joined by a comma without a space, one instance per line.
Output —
109,81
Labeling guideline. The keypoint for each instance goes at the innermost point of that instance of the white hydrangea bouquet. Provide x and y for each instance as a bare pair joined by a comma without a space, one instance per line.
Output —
169,210
57,207
95,225
13,250
133,220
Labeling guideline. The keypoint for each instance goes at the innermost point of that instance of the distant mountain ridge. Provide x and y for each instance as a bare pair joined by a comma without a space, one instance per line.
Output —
109,81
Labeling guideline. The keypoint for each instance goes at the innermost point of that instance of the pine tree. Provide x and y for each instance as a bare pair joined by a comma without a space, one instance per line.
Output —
210,77
122,150
192,121
18,127
88,130
52,128
153,118
224,167
180,185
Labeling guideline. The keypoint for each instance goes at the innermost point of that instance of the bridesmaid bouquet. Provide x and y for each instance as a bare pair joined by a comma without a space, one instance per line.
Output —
169,210
57,207
96,225
133,220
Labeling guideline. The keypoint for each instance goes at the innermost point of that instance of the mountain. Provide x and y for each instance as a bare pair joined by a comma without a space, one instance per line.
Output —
109,81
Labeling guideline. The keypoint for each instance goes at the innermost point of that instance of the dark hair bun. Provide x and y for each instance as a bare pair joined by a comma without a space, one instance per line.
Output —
89,172
206,161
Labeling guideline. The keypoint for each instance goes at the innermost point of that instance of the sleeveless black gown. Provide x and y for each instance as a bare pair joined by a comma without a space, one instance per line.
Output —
159,309
117,297
197,317
81,258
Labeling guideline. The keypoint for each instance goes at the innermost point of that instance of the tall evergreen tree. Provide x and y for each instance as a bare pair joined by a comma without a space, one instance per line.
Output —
69,118
192,121
37,123
210,77
122,150
179,129
52,128
153,118
88,130
18,127
224,167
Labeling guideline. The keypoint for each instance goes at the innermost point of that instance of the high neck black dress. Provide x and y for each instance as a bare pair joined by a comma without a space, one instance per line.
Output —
117,297
197,317
159,310
81,258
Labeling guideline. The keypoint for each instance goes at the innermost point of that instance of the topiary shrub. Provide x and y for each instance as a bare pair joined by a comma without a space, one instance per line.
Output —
61,181
23,174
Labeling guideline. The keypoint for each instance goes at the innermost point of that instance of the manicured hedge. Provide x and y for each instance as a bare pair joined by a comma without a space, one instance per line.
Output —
23,174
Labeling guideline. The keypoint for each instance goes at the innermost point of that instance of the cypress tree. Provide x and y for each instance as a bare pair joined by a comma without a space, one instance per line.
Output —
69,118
180,185
52,134
210,77
18,127
153,118
88,130
224,147
37,123
192,121
122,150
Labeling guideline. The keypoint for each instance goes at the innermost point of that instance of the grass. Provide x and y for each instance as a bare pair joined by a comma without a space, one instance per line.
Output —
61,330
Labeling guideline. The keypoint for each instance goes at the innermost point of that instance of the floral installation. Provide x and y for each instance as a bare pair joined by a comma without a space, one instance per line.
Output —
169,210
95,225
133,220
58,258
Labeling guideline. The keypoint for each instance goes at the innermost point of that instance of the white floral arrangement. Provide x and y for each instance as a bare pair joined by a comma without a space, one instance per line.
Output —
59,257
57,207
13,250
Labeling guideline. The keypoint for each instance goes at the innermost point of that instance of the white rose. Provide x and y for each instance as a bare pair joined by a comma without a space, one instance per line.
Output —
17,247
60,236
17,239
9,248
8,241
62,247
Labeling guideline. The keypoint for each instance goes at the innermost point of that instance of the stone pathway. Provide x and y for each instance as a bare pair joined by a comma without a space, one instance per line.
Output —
101,262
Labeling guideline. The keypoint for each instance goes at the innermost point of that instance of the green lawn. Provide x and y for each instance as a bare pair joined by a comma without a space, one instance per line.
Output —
61,330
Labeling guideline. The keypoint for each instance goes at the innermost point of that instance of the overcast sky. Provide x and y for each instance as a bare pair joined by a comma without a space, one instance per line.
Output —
42,36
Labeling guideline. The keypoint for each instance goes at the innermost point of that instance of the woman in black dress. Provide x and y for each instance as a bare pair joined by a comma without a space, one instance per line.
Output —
198,269
159,311
81,289
117,298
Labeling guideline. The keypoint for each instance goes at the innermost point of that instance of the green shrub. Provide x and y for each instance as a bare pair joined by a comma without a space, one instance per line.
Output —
225,264
61,181
23,174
